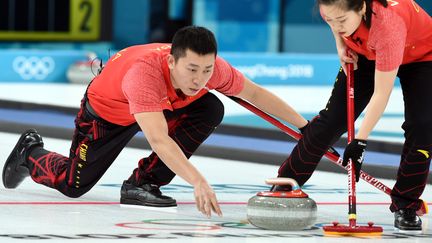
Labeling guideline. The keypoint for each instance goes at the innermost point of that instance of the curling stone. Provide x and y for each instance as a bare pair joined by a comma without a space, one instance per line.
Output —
82,72
282,210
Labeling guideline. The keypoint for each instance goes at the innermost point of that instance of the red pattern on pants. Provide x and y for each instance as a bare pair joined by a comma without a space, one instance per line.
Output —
97,143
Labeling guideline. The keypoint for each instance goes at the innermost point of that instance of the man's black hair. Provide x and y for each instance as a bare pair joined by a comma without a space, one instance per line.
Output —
197,39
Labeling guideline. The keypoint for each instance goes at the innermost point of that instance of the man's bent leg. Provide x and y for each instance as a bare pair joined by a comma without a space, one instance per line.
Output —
188,127
16,168
95,145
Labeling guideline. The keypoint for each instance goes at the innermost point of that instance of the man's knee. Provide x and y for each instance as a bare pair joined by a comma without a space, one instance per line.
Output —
214,110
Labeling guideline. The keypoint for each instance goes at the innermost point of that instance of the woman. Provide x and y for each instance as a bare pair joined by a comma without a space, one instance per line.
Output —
385,39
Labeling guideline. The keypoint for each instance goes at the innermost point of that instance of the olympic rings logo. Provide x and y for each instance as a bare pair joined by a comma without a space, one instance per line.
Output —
33,67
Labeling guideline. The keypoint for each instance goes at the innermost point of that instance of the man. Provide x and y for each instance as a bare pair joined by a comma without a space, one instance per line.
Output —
161,89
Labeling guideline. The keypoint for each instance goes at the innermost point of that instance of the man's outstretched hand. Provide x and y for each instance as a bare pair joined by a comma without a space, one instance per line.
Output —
205,199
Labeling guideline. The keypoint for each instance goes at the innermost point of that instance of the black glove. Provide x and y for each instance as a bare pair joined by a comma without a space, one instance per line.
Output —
355,151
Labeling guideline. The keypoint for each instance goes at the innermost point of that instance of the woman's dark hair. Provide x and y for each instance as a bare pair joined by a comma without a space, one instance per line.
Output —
354,5
197,39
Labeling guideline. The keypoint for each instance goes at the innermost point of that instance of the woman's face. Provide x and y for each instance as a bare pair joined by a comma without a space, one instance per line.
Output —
343,22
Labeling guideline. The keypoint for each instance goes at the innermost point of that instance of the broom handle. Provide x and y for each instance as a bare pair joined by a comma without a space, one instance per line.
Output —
352,215
333,157
296,135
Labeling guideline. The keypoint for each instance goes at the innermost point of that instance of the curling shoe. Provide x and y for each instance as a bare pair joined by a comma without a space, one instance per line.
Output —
407,219
16,168
144,195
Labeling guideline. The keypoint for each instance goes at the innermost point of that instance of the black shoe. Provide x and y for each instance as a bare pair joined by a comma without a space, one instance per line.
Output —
407,219
16,168
145,195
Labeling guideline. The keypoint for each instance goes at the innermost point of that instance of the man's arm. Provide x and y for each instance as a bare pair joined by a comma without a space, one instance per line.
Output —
155,128
270,103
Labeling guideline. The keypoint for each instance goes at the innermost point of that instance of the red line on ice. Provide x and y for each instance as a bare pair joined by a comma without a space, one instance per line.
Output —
179,203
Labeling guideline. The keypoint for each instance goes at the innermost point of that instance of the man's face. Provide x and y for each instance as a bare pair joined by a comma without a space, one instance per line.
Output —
345,23
192,72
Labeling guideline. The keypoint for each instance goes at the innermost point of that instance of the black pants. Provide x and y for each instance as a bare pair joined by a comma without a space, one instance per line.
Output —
325,129
97,143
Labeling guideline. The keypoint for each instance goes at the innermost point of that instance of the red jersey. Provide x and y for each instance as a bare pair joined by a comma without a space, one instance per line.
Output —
399,34
137,79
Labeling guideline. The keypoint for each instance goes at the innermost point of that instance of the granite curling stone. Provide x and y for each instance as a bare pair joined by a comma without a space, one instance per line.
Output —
282,210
